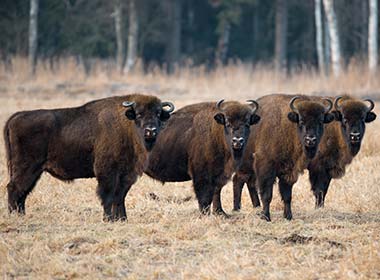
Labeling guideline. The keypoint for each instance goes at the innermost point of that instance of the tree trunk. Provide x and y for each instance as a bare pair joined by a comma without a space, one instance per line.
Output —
372,36
33,36
173,49
223,42
118,15
319,35
133,30
334,38
364,28
327,51
281,35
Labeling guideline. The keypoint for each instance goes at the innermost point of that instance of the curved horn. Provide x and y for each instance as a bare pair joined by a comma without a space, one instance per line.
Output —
253,102
168,104
336,103
371,106
219,103
330,104
129,104
291,104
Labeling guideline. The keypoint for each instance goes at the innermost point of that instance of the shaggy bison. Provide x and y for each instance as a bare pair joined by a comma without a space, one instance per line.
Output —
281,146
107,139
340,144
207,143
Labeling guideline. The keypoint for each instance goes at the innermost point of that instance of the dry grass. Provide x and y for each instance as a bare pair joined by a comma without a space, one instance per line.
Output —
62,235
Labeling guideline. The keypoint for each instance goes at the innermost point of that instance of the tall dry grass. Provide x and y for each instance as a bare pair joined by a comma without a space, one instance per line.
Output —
62,235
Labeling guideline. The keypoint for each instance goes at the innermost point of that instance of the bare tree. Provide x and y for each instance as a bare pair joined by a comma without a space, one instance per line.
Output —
118,16
281,35
133,31
334,38
173,48
372,36
223,42
319,35
33,36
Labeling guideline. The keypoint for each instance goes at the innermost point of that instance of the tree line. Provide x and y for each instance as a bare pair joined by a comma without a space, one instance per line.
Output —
171,33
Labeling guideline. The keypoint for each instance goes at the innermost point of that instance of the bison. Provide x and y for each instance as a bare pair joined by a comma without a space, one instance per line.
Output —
108,139
281,146
340,144
207,146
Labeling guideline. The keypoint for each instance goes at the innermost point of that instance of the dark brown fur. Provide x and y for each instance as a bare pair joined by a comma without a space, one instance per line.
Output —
93,140
275,151
199,150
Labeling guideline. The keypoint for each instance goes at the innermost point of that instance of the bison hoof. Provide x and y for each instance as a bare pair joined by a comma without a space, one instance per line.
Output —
265,217
288,216
221,213
236,209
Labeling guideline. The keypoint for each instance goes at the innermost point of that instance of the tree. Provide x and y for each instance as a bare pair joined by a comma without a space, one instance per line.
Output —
334,38
33,36
173,48
281,35
319,35
372,36
118,16
133,31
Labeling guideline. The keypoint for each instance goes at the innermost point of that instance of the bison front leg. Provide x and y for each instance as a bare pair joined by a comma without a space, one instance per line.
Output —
320,181
238,184
107,185
204,192
118,206
265,181
217,203
286,196
251,184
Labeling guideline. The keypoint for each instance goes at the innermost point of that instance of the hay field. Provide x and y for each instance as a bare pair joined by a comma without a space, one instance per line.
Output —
62,235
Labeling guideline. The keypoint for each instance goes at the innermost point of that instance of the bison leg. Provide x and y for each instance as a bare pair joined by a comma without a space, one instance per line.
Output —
106,189
286,196
217,203
118,206
238,182
204,192
265,185
251,184
320,182
20,185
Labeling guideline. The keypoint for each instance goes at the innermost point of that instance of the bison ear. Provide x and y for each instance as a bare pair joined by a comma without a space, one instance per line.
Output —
164,116
293,117
219,118
328,118
130,114
337,115
371,116
254,119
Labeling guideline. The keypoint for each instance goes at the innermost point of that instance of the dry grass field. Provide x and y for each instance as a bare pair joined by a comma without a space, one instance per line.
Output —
62,235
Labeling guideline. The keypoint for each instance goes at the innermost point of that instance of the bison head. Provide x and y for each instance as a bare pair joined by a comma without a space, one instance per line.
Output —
310,118
237,119
353,114
148,116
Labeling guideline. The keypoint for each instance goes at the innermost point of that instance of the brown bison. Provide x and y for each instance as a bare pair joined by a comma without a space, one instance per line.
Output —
107,139
207,143
340,144
281,146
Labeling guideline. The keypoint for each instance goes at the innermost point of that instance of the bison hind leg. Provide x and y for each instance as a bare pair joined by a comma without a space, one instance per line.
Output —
20,185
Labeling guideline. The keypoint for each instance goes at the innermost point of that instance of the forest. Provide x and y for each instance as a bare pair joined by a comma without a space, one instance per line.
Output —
287,34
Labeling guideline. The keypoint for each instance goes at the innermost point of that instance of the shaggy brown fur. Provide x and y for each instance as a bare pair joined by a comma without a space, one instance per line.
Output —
279,149
201,148
100,139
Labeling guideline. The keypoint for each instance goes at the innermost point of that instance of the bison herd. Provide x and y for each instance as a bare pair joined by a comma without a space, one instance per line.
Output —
117,139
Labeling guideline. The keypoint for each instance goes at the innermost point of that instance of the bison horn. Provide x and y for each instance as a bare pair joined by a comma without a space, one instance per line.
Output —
253,102
168,104
219,103
129,104
371,106
336,103
291,104
330,104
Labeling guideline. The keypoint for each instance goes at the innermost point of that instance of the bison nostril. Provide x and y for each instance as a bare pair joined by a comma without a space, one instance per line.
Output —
150,132
310,140
355,136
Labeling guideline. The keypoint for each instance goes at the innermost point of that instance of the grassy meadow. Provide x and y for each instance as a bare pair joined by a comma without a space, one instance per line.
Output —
62,235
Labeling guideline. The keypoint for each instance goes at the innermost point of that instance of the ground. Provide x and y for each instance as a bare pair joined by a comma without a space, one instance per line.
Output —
62,234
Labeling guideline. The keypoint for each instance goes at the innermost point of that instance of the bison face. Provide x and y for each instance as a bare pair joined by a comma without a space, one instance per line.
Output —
148,118
353,115
310,118
237,120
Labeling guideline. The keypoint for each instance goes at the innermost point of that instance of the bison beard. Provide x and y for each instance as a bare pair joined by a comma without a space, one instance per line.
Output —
103,139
